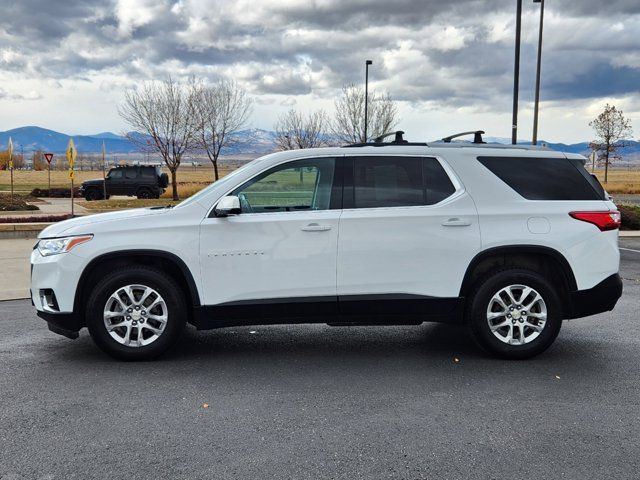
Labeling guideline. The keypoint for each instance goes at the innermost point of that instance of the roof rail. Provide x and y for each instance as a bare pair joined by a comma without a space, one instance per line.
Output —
477,136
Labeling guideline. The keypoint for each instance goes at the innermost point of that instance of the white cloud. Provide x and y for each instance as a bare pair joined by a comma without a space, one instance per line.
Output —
449,62
132,14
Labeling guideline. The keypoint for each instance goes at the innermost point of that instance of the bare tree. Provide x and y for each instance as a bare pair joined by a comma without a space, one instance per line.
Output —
38,161
221,111
294,130
348,124
612,128
165,112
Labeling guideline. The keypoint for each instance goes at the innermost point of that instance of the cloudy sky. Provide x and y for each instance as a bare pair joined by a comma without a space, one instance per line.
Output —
65,64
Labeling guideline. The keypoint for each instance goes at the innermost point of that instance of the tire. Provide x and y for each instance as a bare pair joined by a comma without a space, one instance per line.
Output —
506,341
157,336
92,194
144,193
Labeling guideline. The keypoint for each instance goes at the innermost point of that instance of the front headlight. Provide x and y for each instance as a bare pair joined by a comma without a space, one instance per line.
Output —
54,246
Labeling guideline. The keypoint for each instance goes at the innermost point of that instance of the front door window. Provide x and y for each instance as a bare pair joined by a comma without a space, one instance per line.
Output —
295,186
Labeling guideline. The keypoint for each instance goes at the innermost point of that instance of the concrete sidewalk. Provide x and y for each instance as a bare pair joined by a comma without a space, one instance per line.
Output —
50,206
14,274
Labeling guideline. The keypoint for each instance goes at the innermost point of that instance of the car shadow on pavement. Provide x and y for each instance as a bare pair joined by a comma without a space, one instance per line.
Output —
312,340
319,347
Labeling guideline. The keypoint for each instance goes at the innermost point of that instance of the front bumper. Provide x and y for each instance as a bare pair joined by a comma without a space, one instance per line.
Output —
66,324
601,298
60,274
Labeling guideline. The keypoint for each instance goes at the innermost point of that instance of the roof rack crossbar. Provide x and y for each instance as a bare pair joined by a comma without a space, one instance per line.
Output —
477,136
398,134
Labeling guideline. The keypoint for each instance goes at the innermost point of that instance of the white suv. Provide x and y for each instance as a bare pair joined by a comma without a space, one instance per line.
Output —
507,240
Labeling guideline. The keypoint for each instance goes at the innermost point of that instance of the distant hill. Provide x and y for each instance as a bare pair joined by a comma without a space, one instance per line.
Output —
252,141
582,148
36,138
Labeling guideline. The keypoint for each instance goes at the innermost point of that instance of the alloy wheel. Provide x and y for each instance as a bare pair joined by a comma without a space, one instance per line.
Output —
517,314
135,315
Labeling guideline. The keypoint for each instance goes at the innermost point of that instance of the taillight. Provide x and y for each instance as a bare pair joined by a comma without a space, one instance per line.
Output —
609,220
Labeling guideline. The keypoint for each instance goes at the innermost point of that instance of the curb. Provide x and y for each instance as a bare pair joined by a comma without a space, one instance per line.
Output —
22,230
630,233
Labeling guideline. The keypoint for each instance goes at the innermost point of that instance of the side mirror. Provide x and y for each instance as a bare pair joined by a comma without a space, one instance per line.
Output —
229,205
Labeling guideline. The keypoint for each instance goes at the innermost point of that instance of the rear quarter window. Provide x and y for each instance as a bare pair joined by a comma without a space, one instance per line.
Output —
545,178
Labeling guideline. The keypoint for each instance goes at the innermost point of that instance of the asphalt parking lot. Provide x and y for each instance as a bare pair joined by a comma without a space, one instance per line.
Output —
322,402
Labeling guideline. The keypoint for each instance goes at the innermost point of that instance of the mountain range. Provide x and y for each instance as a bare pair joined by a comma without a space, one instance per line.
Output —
252,141
31,138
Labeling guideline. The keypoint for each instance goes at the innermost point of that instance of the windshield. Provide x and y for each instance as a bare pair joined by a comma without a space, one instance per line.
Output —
197,196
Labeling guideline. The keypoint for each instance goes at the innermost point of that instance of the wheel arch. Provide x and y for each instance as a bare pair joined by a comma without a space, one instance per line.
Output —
170,262
532,256
92,188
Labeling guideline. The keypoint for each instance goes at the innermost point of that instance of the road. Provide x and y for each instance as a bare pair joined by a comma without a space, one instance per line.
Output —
310,402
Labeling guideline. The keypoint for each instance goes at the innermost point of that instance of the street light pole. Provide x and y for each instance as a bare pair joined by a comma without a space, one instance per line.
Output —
534,139
366,96
516,75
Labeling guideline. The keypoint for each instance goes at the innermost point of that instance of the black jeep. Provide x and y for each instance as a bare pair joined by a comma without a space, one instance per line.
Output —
142,181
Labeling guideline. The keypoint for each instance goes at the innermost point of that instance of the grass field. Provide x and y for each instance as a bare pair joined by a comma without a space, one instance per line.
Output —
190,181
621,181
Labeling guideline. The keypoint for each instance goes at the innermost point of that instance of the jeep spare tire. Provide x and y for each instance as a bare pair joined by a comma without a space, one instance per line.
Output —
164,180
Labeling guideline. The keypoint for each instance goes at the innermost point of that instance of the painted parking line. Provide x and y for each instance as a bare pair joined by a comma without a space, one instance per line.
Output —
630,250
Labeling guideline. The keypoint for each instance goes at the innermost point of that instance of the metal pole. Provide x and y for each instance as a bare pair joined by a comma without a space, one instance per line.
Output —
366,96
516,75
534,139
104,176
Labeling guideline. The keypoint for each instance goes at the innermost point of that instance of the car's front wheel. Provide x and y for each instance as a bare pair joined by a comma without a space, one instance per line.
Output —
136,313
515,313
92,194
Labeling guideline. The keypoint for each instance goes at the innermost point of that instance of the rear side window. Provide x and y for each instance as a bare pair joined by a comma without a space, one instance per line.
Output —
131,173
437,183
544,178
593,181
399,182
387,182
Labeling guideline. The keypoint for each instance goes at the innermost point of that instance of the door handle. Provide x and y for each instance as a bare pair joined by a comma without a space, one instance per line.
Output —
456,222
314,227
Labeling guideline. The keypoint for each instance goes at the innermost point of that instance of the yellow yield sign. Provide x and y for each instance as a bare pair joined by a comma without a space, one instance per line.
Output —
72,154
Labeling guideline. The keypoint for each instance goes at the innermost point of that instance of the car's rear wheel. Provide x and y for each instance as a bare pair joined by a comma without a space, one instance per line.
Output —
144,193
136,313
514,313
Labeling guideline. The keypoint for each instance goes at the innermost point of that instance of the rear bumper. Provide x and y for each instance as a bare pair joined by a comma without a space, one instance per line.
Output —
601,298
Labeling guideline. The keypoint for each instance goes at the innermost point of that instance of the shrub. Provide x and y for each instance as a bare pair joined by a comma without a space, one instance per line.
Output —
17,204
55,192
36,218
630,217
